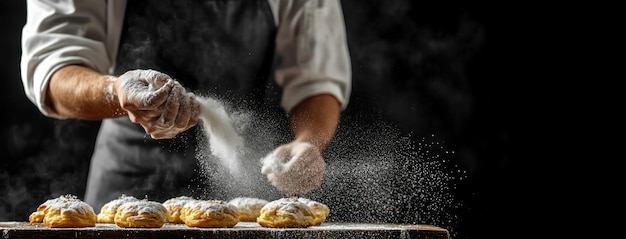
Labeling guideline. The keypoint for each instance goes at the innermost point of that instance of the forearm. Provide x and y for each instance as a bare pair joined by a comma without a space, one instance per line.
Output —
315,120
82,93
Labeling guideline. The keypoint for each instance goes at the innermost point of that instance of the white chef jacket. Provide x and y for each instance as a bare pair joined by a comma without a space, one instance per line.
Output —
310,41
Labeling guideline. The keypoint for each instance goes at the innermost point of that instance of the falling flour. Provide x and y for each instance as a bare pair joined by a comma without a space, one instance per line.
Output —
225,143
375,173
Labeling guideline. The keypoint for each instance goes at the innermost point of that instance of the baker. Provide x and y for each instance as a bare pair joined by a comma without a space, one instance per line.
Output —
139,65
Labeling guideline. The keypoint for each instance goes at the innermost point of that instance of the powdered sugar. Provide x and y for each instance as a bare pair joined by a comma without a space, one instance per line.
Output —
177,202
143,207
291,207
247,202
114,204
208,206
69,203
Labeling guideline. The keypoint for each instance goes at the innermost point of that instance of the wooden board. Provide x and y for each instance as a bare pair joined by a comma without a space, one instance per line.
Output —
15,230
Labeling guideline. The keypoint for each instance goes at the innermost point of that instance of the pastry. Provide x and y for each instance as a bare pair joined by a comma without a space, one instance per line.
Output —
173,206
286,212
249,208
320,210
141,213
65,211
108,210
209,213
37,216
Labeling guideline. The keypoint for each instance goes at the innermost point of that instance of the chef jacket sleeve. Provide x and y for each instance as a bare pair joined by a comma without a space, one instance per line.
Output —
312,51
64,32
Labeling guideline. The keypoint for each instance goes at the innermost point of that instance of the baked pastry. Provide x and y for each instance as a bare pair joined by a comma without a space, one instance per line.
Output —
209,213
320,210
286,212
249,208
65,211
173,206
36,217
108,210
141,213
40,213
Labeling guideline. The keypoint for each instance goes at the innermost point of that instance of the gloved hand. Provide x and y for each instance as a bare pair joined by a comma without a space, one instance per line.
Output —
295,168
157,102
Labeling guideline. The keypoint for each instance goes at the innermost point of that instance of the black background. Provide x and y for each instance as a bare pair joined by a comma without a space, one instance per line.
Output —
428,69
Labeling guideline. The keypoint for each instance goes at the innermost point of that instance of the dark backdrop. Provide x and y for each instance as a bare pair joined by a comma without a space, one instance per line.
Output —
425,69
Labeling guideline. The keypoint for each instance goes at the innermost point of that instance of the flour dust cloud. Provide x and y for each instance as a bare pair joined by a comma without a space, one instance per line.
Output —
231,144
374,172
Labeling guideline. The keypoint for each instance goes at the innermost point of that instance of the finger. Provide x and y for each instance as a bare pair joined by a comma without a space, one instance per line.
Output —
152,128
155,100
140,116
158,79
171,109
133,118
148,128
301,158
195,112
163,135
159,133
184,112
143,116
148,115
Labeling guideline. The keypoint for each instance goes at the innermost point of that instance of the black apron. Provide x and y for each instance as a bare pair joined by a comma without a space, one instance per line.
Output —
223,49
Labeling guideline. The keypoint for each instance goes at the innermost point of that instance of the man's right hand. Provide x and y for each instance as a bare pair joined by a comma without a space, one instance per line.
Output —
157,102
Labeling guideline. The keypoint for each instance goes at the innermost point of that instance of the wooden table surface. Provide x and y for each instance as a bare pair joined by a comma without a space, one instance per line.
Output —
14,230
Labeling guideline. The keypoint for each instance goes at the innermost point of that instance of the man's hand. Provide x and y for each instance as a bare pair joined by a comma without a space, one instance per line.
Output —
157,102
295,168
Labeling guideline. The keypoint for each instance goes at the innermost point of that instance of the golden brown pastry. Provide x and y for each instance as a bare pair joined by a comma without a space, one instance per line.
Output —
64,211
320,210
173,206
38,215
209,213
286,212
249,208
141,213
108,210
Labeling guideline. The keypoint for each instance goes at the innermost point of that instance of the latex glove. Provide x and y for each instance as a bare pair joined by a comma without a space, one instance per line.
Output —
295,168
157,102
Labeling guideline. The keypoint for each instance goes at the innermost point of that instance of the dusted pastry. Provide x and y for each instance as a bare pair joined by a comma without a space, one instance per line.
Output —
286,212
320,210
108,210
65,211
141,213
173,206
209,213
249,208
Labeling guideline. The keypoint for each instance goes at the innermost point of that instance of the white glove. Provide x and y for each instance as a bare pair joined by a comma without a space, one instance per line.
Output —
157,102
295,168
